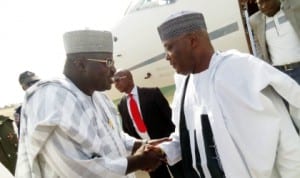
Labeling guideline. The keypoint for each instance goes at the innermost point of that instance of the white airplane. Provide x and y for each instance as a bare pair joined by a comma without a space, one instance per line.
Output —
138,48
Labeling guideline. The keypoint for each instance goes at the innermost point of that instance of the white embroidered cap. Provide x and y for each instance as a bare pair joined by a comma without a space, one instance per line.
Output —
181,23
88,41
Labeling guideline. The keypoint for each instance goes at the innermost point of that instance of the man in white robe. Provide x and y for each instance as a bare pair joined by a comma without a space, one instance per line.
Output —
70,130
231,105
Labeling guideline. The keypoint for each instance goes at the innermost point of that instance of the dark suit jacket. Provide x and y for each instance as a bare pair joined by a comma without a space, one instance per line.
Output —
155,111
157,118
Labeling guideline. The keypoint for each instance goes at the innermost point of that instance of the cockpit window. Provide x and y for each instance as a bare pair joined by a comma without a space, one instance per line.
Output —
138,5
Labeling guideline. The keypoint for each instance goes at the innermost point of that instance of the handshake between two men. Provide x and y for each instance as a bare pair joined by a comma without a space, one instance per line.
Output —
146,156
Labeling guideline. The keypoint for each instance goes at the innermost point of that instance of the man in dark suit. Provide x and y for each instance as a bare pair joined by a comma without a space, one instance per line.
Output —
150,120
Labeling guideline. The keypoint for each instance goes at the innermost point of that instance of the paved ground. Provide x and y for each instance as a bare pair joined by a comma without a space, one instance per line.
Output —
4,173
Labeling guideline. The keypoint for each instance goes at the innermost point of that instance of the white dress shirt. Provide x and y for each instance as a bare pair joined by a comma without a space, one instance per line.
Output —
282,40
135,95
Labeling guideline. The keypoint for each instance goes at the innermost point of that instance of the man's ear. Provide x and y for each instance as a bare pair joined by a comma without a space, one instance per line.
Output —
194,40
80,64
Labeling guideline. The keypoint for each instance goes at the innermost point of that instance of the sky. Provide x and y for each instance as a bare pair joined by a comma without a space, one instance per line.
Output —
31,36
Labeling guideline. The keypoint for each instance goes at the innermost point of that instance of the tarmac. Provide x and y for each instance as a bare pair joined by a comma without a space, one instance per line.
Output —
4,173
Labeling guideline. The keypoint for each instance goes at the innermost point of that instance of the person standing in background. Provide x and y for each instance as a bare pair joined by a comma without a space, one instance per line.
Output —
26,79
145,114
276,29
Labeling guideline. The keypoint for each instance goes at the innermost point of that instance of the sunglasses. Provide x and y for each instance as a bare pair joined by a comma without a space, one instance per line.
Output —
117,79
108,61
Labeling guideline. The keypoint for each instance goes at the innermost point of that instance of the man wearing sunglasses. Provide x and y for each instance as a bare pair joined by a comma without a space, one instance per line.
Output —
69,129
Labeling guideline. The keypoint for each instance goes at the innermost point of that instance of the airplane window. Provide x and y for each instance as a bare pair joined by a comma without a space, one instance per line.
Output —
138,5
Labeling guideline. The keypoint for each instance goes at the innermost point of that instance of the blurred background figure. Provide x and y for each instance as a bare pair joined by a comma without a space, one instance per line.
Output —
146,114
8,144
26,79
276,29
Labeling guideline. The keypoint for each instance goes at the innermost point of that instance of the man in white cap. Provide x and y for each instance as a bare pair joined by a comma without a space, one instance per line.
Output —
70,130
230,118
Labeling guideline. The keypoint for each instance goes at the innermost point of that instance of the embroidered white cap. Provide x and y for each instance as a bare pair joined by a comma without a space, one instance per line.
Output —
88,41
181,23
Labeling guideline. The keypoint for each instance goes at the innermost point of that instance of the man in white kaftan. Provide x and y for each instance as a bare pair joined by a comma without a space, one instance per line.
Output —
69,124
253,134
69,129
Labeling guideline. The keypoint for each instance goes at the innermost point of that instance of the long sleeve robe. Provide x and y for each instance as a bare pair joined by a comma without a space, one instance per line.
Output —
253,131
65,133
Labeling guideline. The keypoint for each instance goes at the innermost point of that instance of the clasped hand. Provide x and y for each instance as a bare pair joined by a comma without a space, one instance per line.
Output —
152,156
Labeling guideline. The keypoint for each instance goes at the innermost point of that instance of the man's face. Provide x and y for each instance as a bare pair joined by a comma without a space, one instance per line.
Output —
179,54
100,73
268,7
122,82
25,86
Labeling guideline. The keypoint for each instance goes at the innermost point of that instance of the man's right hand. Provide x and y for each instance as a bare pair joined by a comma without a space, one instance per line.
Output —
144,159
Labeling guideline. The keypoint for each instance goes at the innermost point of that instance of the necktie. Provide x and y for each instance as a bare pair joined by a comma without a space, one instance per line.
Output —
137,117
